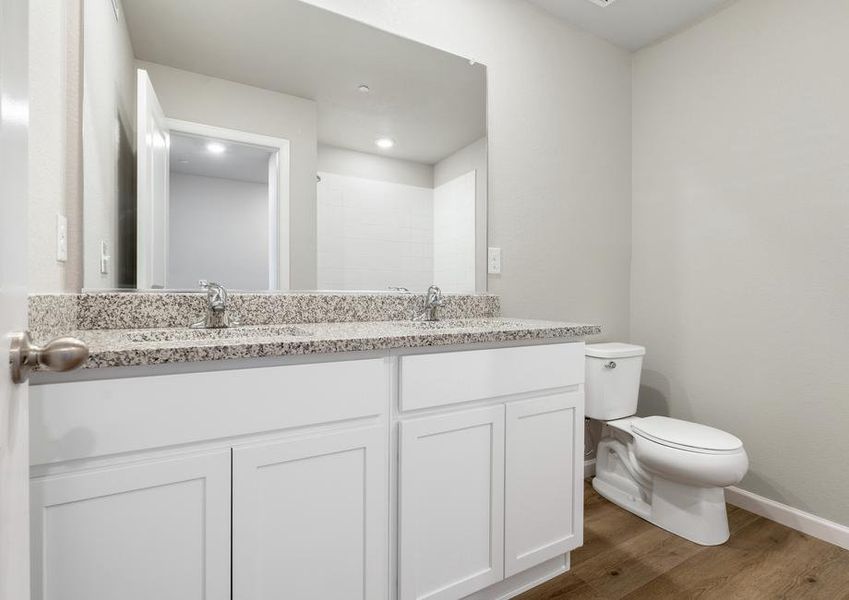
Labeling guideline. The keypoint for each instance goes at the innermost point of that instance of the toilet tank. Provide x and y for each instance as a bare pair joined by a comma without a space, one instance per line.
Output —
613,380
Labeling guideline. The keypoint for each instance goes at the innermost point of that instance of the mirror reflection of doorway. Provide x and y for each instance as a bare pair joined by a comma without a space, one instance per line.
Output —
220,213
212,203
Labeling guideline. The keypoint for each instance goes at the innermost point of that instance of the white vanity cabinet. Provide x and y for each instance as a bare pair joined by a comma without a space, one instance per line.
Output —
488,492
389,475
133,478
141,530
543,499
451,504
310,517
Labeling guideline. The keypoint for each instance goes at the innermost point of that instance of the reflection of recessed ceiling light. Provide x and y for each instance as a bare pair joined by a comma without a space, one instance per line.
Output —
216,148
364,89
384,143
183,162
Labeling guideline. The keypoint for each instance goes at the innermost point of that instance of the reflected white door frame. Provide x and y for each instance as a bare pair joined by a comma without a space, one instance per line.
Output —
278,189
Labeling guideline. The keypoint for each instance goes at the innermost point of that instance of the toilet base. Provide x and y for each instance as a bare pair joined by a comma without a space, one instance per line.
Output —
695,513
692,512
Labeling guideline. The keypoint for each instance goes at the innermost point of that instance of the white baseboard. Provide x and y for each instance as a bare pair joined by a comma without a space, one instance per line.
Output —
815,526
589,468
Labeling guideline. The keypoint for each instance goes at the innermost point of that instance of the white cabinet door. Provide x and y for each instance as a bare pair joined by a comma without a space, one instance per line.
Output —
158,529
451,504
543,489
310,518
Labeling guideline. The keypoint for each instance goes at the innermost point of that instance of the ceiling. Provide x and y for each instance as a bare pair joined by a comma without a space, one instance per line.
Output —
430,102
632,24
241,162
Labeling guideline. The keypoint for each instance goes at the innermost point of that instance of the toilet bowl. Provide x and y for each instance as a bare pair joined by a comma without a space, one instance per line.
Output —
667,471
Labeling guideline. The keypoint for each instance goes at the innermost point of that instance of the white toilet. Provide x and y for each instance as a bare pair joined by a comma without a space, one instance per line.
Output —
669,472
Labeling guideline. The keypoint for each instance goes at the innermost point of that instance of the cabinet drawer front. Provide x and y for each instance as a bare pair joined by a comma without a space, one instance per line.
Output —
138,531
429,380
96,418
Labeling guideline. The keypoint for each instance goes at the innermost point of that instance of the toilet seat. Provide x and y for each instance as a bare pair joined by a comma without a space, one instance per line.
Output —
685,435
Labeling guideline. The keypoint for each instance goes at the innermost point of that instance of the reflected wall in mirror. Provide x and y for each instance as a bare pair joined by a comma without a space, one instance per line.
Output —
273,145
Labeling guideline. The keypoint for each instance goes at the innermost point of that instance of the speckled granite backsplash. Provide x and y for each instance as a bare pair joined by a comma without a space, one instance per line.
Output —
54,314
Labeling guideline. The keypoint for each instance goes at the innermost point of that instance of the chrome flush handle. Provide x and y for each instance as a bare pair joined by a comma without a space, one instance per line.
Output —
60,354
610,365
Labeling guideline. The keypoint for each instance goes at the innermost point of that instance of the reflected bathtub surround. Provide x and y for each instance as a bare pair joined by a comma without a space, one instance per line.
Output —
147,310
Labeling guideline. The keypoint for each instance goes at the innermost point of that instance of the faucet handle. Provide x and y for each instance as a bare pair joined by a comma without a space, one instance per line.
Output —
434,296
216,294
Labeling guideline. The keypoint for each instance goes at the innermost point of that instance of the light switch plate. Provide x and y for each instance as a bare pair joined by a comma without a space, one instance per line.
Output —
493,261
104,257
61,238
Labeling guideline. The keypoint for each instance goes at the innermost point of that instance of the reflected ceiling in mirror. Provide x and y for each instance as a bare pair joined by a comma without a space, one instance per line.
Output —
380,150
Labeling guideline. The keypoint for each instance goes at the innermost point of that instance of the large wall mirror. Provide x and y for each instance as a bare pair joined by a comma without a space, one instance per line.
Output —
273,145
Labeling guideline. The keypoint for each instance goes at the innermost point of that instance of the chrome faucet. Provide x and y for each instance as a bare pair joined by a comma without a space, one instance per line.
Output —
433,301
216,307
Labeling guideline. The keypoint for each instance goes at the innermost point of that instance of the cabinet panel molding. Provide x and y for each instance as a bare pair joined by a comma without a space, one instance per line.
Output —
451,504
310,517
544,471
135,531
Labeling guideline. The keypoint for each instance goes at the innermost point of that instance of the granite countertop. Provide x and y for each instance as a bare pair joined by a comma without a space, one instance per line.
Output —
136,347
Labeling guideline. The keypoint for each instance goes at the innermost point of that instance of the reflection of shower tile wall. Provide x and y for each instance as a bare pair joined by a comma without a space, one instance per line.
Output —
373,234
454,238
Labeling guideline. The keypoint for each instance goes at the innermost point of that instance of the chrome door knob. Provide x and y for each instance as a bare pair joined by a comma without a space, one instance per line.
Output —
60,354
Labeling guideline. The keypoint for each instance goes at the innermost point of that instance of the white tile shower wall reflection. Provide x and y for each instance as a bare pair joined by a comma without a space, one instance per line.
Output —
373,234
453,234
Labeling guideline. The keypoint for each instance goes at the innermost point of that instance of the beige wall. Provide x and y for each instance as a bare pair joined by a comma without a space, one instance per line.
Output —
194,97
559,111
740,279
54,144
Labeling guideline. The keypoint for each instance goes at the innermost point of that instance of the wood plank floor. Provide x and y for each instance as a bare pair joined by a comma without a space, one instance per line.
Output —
624,557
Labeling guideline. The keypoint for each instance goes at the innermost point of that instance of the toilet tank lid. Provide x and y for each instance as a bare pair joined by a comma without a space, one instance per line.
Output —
614,350
686,435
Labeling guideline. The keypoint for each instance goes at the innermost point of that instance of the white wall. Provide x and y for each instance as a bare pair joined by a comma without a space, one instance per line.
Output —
559,114
374,234
454,234
740,280
342,161
54,144
217,230
471,158
193,97
109,112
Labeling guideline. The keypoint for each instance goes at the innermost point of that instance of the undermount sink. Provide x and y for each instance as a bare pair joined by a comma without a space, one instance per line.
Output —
224,333
461,324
